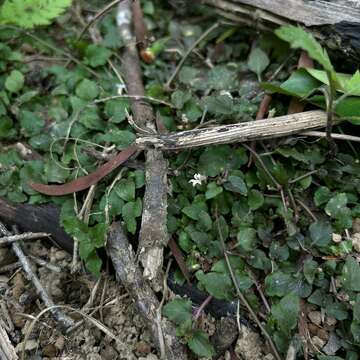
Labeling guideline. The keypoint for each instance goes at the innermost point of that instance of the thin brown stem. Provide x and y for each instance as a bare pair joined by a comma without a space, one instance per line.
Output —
242,297
188,52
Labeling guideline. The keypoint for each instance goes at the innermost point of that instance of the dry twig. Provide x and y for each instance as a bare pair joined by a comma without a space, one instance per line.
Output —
242,297
61,318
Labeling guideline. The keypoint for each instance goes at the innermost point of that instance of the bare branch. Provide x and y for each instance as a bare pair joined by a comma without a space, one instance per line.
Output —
241,132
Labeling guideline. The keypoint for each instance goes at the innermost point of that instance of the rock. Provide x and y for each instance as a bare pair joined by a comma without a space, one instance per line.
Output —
19,286
19,321
269,357
225,334
3,284
356,225
108,353
323,334
60,343
142,348
333,345
49,350
6,256
336,238
30,345
356,241
317,342
248,345
61,255
315,317
330,321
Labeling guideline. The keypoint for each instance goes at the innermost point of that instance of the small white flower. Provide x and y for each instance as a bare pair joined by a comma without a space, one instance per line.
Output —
197,180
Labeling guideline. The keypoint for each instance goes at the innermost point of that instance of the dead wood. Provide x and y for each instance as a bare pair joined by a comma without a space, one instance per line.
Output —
153,233
241,132
129,275
7,351
335,23
62,319
36,218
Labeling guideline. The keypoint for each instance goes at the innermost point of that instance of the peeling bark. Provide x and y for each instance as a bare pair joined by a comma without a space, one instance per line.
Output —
130,276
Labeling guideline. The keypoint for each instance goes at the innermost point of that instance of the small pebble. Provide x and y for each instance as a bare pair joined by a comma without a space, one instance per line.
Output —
356,241
315,317
330,321
317,342
30,345
356,225
336,238
49,350
142,348
60,343
61,255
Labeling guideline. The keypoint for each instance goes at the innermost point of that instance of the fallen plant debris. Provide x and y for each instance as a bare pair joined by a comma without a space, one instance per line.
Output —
127,139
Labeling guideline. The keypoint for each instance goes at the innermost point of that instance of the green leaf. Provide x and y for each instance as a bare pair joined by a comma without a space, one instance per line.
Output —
337,310
96,55
125,189
54,172
350,276
87,90
130,212
352,86
278,283
299,38
89,239
310,269
199,343
93,263
121,138
320,233
15,81
193,210
246,239
115,110
355,331
6,125
179,98
286,312
30,13
90,118
300,84
178,310
322,195
216,159
357,308
336,205
192,110
219,104
223,77
212,190
258,61
337,209
236,184
31,123
216,284
255,199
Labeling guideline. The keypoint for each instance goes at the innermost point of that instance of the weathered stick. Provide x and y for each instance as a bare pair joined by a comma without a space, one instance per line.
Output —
7,351
153,233
36,218
129,275
5,240
241,132
63,320
335,22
